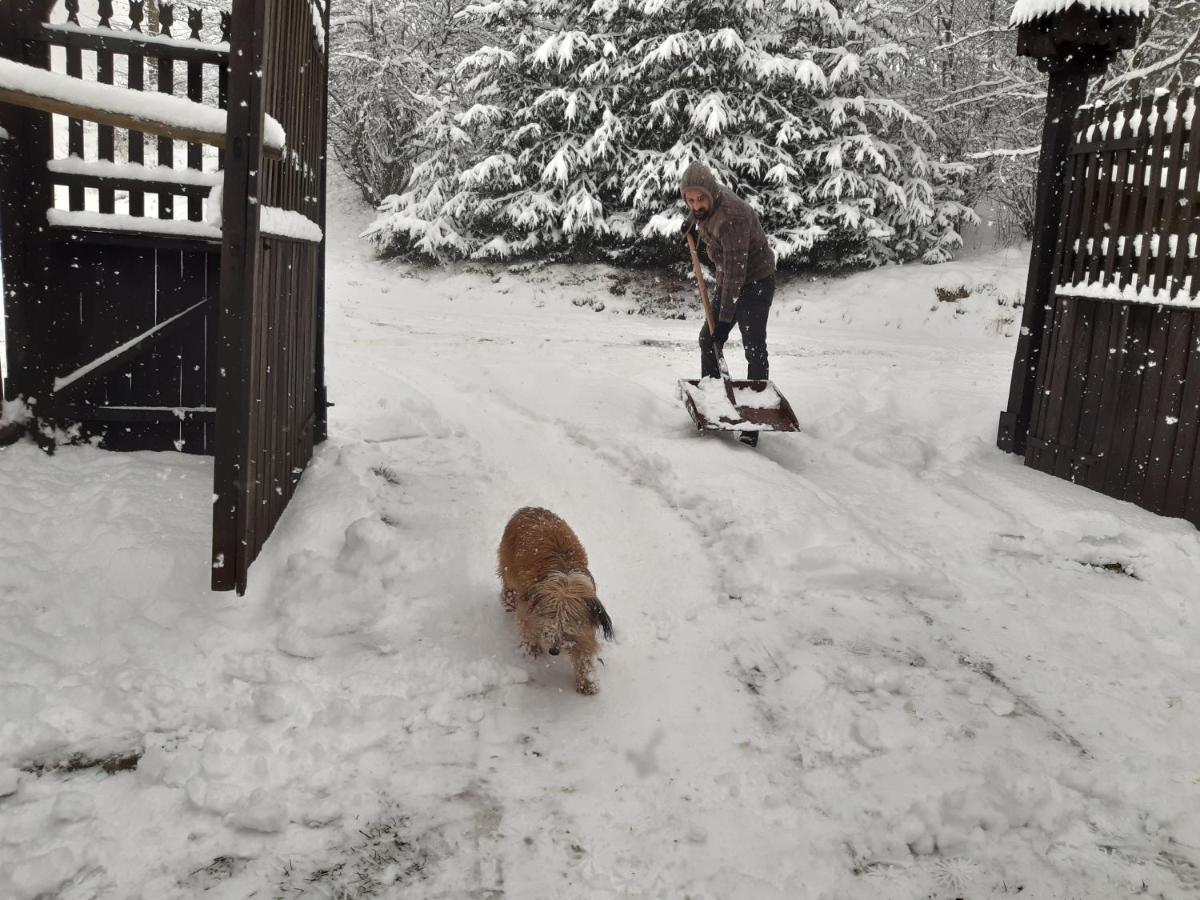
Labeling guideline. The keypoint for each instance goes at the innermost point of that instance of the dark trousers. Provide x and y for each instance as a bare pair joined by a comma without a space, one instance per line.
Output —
751,314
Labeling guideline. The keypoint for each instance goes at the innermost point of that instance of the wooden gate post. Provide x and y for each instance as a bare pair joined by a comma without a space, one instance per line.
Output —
236,467
269,377
1071,45
321,400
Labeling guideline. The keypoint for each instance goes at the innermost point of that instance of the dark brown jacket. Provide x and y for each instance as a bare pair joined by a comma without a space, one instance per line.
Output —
732,237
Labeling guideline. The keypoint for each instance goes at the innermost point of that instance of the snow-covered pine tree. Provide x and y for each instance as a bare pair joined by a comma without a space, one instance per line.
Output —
585,113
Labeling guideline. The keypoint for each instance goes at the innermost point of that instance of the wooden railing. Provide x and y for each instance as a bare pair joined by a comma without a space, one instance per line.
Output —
1131,215
178,64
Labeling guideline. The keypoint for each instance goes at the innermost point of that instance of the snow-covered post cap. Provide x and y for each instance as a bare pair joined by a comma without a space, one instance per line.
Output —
1026,11
1080,34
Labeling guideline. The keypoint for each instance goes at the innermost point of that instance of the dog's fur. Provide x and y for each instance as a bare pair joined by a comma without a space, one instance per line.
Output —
544,572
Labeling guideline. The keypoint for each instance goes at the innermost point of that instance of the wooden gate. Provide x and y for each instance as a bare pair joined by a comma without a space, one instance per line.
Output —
110,270
270,385
1117,405
142,312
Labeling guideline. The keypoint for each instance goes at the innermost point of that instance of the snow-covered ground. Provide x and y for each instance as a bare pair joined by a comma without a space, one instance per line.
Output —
877,659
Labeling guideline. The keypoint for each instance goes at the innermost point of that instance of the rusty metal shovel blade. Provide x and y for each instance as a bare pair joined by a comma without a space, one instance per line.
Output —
756,406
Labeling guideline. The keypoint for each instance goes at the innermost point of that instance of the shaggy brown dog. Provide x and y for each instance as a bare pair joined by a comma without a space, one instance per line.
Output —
545,578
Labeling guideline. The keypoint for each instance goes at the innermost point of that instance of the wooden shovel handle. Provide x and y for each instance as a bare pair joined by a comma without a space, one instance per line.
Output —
712,322
708,312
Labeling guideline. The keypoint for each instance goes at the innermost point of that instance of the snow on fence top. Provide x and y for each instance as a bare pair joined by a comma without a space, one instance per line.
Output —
1026,11
173,43
173,117
286,223
62,218
99,168
1132,293
273,222
1124,119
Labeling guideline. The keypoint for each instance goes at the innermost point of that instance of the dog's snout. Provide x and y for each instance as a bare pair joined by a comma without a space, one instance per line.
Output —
554,651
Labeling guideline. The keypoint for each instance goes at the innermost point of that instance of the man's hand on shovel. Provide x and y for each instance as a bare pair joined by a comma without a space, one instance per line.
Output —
721,335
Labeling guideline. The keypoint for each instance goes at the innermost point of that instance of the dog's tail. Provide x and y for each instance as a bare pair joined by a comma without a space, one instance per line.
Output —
600,616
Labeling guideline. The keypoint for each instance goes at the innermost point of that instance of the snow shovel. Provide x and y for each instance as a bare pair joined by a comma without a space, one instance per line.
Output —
727,405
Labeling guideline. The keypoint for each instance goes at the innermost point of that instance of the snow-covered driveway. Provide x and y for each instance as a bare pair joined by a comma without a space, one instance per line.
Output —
877,659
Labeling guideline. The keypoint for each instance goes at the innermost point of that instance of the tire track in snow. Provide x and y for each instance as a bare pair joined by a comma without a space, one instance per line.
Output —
897,584
651,471
646,470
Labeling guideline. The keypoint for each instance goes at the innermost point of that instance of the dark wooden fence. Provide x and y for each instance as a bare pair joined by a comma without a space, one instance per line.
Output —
138,317
271,394
1117,406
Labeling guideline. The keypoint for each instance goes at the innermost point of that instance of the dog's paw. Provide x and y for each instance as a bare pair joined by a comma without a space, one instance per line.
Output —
586,687
508,599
